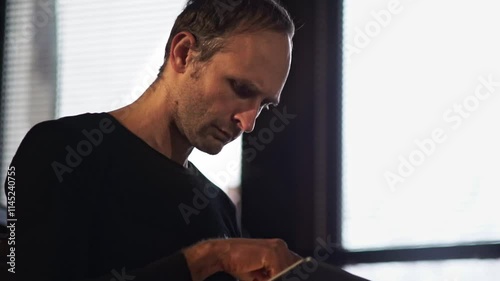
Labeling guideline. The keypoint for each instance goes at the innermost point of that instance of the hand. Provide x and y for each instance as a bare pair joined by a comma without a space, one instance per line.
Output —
245,259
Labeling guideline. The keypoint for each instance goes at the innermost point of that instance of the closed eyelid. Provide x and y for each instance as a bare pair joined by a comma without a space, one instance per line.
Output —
242,88
251,88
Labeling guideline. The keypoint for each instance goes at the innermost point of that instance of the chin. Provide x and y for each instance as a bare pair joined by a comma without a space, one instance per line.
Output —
211,148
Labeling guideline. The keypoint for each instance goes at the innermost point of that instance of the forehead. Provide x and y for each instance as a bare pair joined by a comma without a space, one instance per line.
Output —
262,58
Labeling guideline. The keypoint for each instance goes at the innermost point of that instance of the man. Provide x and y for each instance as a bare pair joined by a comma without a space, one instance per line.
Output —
112,196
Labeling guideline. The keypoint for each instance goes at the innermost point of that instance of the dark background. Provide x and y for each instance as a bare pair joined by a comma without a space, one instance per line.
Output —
278,185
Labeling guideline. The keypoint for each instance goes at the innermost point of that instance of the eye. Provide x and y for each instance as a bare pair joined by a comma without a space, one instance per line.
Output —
245,91
241,90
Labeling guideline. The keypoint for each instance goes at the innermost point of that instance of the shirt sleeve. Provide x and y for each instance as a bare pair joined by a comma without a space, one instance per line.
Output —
50,217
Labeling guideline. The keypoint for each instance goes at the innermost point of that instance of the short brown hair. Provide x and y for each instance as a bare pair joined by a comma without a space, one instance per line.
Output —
211,21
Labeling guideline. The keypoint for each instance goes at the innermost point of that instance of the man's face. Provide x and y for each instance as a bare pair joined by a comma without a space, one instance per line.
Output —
226,95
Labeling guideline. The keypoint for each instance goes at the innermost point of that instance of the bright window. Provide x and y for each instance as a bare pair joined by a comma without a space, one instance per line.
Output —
421,93
421,123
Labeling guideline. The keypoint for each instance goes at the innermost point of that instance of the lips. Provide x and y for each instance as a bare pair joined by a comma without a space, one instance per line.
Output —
224,136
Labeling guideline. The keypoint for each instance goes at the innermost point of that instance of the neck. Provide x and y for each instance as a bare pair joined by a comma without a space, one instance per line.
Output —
150,118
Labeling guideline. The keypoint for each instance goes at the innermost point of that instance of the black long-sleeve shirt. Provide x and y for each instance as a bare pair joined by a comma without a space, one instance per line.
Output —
94,202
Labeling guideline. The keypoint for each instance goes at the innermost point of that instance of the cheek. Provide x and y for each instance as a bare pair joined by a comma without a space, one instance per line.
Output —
221,112
213,100
217,104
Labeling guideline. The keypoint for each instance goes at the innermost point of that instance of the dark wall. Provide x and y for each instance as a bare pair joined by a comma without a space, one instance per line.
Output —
280,183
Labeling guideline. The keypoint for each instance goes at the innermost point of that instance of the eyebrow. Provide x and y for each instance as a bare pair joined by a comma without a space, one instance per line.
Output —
253,88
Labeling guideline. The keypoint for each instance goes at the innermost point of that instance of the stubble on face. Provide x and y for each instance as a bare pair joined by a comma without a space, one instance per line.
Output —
207,103
192,115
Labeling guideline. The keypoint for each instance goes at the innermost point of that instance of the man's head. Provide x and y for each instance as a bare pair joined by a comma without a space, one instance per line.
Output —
225,60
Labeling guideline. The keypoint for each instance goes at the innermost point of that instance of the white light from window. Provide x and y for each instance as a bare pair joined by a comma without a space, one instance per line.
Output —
416,170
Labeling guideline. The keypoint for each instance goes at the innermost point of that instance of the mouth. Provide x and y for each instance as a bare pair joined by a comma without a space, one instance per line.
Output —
223,135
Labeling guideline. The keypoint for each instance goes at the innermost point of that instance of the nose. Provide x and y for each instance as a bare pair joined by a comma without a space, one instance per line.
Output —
246,119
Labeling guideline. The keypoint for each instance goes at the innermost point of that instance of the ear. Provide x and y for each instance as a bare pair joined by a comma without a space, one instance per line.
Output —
181,51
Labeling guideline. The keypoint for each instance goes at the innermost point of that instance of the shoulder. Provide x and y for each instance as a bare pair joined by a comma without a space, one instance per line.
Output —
69,129
54,138
57,147
72,124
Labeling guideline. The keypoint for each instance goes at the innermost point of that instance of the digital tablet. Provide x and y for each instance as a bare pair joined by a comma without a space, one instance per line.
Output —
309,269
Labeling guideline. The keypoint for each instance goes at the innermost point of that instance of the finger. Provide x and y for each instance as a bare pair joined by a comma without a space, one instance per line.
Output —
261,275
